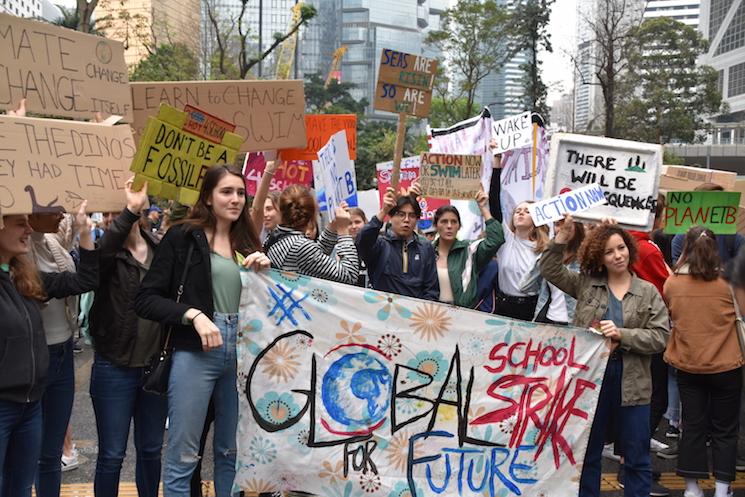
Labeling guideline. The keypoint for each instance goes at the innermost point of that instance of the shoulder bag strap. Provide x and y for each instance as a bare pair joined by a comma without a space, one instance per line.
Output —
180,290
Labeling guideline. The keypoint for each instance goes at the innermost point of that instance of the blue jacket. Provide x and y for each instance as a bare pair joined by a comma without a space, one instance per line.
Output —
383,256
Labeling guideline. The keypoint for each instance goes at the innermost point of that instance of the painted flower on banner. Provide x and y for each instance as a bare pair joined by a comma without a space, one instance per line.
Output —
389,302
350,332
474,346
431,363
290,279
430,322
255,486
369,482
252,326
276,408
262,450
402,490
301,439
322,297
390,345
332,473
281,362
398,451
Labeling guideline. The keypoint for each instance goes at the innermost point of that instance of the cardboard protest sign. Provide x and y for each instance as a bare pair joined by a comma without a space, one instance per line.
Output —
512,132
268,115
627,171
382,395
334,176
714,210
687,178
409,173
61,72
450,176
570,202
318,129
52,165
292,172
405,83
174,161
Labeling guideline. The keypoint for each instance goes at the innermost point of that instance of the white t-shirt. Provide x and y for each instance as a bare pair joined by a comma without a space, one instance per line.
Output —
557,309
516,257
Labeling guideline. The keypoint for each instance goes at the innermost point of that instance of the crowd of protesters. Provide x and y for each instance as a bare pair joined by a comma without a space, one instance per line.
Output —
150,273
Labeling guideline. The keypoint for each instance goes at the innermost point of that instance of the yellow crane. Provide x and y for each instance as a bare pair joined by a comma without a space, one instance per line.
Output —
286,55
335,63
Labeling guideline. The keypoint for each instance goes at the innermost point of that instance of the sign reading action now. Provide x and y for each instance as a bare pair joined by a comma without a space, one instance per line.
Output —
405,83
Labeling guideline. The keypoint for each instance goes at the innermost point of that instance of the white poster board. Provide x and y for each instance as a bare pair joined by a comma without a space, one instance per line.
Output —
572,202
627,171
512,132
334,177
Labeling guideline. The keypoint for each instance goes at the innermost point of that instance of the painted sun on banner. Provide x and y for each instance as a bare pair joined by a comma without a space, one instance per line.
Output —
350,392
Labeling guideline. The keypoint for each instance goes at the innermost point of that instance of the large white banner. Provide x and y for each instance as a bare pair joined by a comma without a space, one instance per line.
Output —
522,177
350,392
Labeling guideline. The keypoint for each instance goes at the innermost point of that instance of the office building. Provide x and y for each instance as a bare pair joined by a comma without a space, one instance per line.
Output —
685,11
143,24
21,8
723,23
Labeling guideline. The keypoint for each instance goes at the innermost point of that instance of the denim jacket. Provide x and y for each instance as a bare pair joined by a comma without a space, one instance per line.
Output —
645,320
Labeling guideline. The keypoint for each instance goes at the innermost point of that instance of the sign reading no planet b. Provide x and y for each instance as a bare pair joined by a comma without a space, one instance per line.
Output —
51,165
61,72
714,210
405,83
450,176
570,202
627,171
173,160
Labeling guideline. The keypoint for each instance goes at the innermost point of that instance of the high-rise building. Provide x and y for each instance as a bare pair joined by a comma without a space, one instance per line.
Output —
320,38
685,11
143,24
723,23
369,26
22,8
562,113
588,99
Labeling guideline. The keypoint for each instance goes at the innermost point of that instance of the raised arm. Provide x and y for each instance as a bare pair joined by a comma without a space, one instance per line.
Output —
257,208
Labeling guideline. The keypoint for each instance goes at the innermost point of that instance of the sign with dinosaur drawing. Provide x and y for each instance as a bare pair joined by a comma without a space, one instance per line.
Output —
52,165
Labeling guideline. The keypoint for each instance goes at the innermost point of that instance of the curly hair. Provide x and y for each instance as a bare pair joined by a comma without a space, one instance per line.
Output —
592,250
297,206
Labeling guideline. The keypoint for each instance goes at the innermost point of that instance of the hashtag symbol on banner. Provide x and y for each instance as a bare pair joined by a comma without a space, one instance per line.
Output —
285,305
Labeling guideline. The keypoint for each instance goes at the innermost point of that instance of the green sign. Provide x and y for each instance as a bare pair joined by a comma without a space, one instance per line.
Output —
715,210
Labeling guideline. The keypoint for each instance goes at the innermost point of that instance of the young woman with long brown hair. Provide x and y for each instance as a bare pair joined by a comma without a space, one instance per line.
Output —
704,349
204,323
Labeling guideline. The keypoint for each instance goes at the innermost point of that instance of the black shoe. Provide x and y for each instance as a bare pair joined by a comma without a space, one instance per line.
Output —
77,346
657,490
620,476
672,432
670,453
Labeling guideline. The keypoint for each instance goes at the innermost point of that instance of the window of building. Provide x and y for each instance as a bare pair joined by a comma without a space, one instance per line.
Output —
734,37
717,12
736,80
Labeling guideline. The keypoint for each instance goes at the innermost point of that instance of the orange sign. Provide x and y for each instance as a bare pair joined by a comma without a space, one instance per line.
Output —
319,128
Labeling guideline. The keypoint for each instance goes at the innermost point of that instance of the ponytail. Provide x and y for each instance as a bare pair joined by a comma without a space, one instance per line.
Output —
701,254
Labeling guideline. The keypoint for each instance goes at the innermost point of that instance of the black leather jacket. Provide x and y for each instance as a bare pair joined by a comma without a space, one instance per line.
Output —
113,321
156,299
24,355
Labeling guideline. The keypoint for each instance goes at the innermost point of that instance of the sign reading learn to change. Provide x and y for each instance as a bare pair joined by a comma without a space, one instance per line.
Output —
173,160
52,165
714,210
405,83
379,395
268,115
61,72
450,176
627,171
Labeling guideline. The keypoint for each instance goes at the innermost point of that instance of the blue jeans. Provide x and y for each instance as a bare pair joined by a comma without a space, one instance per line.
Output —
673,398
56,406
117,399
20,446
632,426
195,376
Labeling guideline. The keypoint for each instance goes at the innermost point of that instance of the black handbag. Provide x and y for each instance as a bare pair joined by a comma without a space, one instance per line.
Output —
158,370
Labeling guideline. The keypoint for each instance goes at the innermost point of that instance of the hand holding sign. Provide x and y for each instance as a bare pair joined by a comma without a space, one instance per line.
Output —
137,201
389,202
256,261
342,220
565,233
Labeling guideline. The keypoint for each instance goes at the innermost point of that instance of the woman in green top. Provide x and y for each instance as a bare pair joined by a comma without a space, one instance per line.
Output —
460,261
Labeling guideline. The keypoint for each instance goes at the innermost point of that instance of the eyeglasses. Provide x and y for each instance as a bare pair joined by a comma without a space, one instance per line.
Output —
405,215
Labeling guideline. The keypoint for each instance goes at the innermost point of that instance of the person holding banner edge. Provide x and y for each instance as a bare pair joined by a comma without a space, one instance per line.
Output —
23,374
630,313
204,323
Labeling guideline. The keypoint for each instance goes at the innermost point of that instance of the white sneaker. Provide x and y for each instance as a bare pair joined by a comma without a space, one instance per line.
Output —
688,493
70,462
608,453
656,446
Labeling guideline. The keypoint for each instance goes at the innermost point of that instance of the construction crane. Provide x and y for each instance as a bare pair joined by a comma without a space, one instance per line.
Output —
335,63
286,55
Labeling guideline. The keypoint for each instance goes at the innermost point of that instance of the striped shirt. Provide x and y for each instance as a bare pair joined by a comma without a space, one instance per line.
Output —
293,251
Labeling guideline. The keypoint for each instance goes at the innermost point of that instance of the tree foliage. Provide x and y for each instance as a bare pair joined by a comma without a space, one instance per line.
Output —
167,63
530,20
70,19
334,99
476,35
666,94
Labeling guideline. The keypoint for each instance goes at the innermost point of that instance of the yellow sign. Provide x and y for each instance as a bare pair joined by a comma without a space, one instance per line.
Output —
174,161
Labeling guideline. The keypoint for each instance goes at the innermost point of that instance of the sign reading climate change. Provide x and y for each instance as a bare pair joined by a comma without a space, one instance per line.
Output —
374,394
627,171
